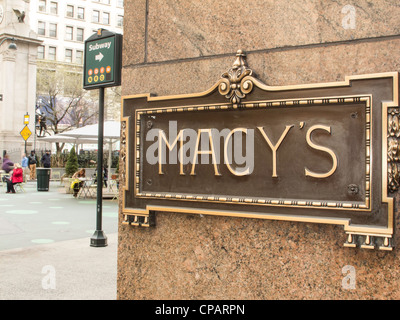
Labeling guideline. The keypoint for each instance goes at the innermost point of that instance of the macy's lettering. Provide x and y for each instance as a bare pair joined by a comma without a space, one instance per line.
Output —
206,143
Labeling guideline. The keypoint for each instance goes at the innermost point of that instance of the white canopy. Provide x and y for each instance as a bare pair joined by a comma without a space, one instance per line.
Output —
66,139
111,131
111,134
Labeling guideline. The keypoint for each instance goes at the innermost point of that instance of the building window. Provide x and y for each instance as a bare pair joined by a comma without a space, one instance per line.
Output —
53,7
68,55
52,53
106,1
70,11
69,33
81,13
120,21
40,52
41,28
96,16
79,34
120,3
42,5
106,18
53,30
79,57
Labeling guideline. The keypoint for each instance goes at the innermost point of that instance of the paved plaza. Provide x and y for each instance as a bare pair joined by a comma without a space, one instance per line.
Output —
45,248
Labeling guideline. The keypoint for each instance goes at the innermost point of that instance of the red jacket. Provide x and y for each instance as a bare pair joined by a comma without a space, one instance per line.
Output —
17,175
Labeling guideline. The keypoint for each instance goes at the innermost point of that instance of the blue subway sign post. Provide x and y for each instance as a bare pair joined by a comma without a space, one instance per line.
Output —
102,68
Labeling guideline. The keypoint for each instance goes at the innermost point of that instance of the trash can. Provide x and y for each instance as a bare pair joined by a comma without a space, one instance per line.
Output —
43,179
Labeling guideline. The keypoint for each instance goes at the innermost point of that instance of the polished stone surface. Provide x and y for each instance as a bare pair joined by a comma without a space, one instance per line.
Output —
184,48
194,29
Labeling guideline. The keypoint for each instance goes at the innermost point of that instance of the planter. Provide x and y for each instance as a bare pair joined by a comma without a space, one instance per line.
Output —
67,185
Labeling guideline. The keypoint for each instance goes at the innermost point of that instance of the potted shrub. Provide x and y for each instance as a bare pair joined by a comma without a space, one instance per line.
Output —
70,168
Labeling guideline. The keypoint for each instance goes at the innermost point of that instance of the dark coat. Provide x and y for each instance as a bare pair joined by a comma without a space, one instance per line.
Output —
31,159
7,165
46,160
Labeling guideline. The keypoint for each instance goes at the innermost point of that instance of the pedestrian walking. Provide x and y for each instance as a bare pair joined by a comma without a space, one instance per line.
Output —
46,159
32,165
105,176
24,164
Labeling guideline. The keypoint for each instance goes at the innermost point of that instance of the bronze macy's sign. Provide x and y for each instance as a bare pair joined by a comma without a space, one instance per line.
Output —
323,153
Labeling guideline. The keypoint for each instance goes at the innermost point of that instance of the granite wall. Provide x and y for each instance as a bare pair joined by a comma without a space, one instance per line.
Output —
179,47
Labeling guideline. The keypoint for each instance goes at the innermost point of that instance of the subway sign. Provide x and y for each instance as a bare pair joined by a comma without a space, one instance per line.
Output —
102,64
318,153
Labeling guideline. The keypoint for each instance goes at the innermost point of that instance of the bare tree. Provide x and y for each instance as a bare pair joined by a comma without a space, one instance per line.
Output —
62,99
113,105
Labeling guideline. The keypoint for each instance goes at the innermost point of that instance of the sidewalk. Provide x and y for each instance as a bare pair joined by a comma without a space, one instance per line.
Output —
67,270
45,250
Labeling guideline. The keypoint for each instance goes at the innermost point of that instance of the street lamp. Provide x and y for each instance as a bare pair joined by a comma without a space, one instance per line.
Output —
12,45
26,122
26,118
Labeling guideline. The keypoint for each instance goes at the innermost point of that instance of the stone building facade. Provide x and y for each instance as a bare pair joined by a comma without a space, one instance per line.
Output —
18,77
182,48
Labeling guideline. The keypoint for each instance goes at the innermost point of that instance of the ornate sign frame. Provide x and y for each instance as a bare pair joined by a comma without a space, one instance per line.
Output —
367,210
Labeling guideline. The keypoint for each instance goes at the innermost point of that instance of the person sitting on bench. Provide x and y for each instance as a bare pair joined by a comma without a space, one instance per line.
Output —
16,177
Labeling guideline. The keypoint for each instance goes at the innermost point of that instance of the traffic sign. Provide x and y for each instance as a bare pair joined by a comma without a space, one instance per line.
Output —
25,133
103,60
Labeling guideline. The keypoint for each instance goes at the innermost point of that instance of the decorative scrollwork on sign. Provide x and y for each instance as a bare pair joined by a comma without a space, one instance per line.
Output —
393,149
233,85
367,241
123,150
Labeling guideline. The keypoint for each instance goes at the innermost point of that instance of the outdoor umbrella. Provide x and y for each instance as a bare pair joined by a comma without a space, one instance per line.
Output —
65,139
111,134
111,131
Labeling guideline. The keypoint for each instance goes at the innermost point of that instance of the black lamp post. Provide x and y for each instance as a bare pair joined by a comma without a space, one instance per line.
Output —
38,102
